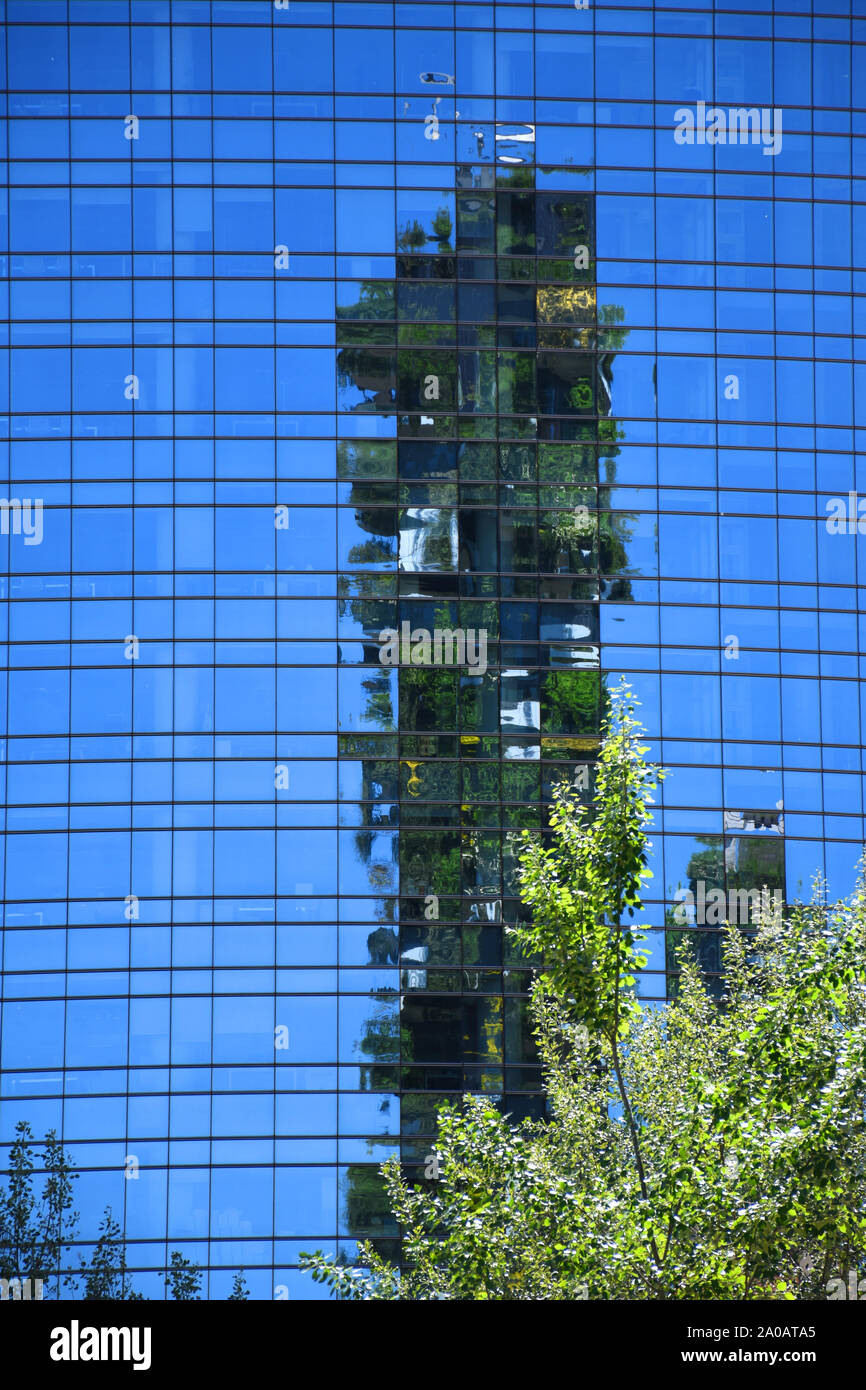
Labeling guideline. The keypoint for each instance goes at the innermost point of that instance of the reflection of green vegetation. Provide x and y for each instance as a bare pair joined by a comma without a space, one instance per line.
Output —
580,396
570,702
375,301
366,458
479,704
369,370
477,460
381,1043
378,709
443,228
428,699
415,367
516,372
707,864
372,552
481,781
413,237
511,176
760,864
520,783
567,463
429,862
690,1151
610,336
366,1211
430,781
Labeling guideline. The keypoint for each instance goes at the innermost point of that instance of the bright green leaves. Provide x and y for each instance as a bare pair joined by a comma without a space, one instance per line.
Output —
582,885
703,1150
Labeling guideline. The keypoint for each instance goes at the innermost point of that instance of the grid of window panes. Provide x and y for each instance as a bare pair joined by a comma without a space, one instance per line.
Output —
481,517
323,319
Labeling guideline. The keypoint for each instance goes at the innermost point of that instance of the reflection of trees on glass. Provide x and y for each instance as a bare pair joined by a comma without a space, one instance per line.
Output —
366,379
378,710
490,349
366,357
731,864
429,862
755,862
707,866
570,702
366,1214
413,237
428,699
381,1043
372,552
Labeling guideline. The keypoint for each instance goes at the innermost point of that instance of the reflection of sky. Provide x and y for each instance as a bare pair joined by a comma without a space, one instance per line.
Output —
356,863
157,780
428,539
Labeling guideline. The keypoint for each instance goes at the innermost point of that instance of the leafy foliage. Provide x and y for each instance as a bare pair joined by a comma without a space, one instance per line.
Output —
701,1150
183,1278
107,1277
38,1229
34,1224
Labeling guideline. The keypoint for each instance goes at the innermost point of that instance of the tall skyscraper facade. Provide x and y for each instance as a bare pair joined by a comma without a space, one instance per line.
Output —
382,383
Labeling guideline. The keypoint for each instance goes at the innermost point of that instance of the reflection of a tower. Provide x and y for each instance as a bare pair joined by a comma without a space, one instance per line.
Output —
537,359
491,471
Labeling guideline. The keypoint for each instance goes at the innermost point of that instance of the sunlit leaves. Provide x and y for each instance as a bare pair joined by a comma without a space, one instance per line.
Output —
703,1150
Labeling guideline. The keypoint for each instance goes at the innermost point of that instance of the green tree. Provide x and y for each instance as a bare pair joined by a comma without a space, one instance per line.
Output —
36,1217
240,1291
183,1278
702,1150
38,1228
106,1276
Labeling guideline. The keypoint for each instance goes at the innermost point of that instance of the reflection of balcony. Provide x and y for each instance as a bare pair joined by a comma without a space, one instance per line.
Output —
555,630
507,139
576,658
752,821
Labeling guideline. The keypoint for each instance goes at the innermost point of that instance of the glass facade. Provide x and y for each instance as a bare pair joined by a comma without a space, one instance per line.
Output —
382,382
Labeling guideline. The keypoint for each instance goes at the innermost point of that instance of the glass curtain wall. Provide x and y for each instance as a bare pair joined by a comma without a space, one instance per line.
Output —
382,382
